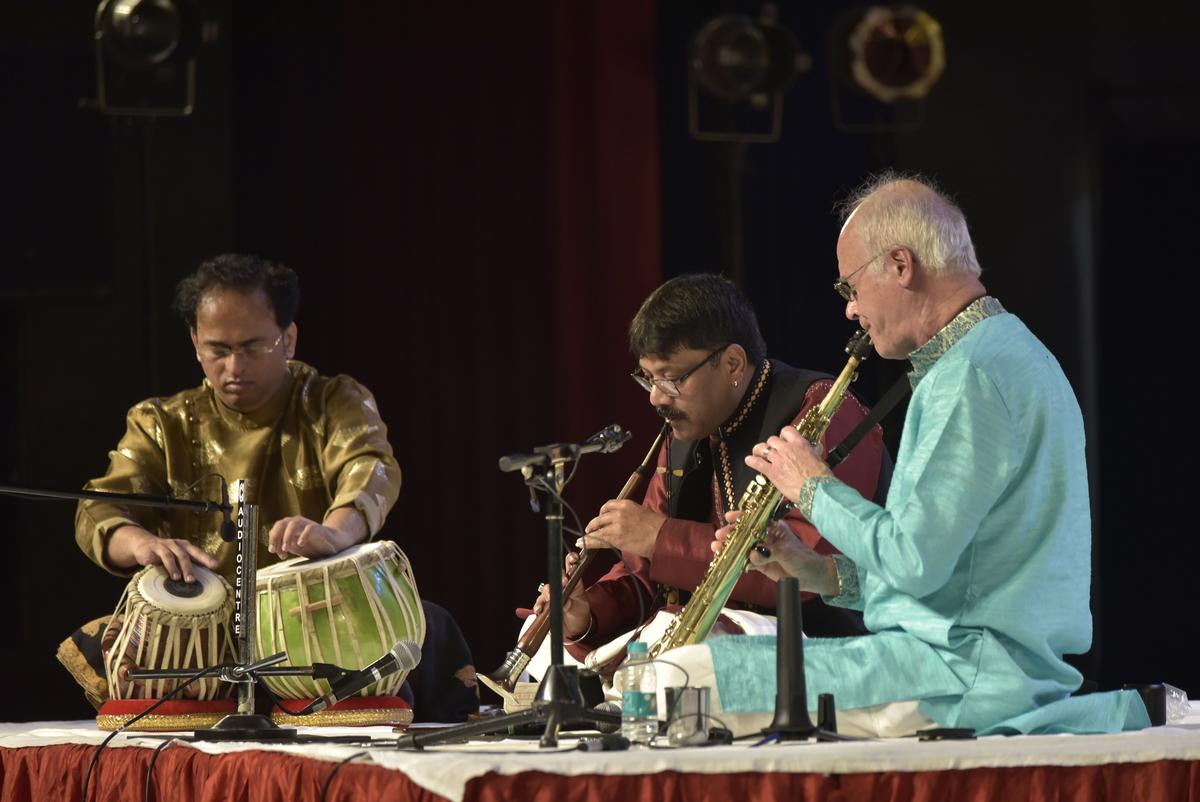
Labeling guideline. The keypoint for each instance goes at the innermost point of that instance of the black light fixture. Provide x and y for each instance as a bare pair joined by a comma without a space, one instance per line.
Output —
740,64
896,53
884,61
146,56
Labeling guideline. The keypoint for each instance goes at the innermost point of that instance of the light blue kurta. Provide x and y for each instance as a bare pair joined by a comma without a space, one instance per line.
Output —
975,575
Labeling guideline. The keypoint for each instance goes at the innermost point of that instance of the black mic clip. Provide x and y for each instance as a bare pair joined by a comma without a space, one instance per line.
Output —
610,438
228,528
328,671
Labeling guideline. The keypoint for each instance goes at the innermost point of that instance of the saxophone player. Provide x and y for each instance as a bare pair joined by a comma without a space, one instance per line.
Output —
974,575
703,363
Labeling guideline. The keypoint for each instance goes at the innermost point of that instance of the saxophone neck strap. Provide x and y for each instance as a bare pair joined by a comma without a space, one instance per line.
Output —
895,393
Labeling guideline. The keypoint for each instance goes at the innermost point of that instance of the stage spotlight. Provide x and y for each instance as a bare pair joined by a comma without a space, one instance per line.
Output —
896,53
743,66
146,56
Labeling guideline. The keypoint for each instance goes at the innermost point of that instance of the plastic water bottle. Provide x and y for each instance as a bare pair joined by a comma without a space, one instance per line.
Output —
639,695
1178,706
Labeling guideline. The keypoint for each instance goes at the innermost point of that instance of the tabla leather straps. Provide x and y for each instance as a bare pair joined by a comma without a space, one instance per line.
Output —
897,391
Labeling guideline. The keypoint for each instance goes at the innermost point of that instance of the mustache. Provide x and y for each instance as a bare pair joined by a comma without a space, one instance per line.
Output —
670,413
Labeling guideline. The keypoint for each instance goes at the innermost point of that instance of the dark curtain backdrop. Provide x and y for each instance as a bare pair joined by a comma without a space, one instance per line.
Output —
471,197
478,196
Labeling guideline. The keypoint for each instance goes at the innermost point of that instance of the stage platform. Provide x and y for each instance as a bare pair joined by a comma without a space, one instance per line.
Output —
47,761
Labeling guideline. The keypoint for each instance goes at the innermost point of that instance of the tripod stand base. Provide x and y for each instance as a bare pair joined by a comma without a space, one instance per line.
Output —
551,714
245,727
561,684
789,733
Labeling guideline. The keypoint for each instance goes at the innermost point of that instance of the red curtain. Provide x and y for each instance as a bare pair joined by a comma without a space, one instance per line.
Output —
470,193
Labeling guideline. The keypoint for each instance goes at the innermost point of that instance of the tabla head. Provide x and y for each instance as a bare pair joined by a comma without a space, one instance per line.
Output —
206,594
360,554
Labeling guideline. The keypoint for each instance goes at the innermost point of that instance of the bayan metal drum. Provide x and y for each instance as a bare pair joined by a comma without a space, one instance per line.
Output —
348,610
164,623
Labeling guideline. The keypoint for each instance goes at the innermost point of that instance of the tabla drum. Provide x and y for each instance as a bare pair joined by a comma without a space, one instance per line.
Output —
165,623
348,610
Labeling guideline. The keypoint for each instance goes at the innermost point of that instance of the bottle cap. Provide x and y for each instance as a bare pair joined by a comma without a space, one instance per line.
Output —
636,647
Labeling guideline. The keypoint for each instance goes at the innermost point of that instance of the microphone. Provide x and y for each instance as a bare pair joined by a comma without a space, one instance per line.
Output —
609,743
791,722
608,707
404,656
605,441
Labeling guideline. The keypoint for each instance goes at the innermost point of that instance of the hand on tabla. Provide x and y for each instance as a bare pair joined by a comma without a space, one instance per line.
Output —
173,554
302,537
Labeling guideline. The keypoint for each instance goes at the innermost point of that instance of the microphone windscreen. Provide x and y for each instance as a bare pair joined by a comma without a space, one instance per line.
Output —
608,707
407,654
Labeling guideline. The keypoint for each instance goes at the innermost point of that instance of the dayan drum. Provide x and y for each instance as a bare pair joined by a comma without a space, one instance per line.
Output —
164,623
348,610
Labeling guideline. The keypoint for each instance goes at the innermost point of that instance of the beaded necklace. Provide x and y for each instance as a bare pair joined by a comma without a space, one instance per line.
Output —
727,499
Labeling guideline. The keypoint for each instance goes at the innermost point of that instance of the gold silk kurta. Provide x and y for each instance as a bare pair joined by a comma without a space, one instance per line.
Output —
318,446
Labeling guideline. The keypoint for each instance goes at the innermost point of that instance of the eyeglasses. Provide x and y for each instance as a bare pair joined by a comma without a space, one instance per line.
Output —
256,349
843,286
671,386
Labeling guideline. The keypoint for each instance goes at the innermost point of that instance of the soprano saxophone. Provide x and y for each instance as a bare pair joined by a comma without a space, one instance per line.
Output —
760,505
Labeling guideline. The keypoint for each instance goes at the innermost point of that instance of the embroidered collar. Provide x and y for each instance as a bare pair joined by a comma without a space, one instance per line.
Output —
757,383
923,358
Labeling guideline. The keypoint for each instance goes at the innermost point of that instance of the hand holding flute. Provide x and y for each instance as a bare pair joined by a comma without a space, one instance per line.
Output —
577,614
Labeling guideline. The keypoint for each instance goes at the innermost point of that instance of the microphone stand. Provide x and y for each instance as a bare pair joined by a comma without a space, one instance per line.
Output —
252,727
559,700
245,724
792,721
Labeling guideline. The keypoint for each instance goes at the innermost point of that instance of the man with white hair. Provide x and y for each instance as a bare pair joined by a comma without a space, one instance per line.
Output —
974,575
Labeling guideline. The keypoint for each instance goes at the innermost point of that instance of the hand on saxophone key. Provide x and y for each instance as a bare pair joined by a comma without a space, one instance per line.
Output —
782,554
788,460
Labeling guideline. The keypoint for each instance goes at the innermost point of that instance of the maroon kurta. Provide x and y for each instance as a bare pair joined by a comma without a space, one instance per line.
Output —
683,549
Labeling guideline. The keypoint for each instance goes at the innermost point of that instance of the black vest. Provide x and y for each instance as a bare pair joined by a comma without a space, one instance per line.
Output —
690,463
